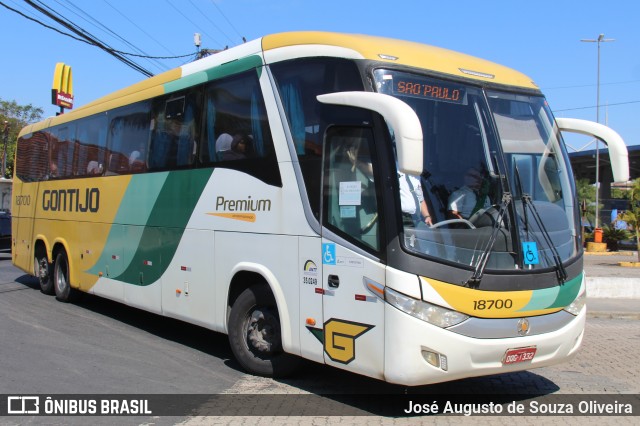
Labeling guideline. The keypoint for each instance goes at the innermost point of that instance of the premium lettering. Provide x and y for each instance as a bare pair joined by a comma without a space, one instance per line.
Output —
71,200
247,205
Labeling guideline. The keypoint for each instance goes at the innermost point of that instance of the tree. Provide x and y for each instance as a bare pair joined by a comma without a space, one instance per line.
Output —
16,117
587,197
632,216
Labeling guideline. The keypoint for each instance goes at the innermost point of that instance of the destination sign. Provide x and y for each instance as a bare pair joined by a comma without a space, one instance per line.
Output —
428,89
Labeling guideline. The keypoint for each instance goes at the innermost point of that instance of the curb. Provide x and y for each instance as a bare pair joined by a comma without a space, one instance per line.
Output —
614,315
616,288
611,253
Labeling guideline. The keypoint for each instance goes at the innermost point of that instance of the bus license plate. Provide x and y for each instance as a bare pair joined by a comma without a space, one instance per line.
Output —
513,356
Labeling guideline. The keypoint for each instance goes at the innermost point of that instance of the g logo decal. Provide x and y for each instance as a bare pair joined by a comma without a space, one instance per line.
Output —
340,339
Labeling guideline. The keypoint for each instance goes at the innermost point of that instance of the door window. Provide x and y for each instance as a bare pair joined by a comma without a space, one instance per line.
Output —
350,198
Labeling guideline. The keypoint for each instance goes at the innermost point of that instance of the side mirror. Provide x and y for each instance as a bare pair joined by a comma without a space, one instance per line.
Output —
400,116
618,153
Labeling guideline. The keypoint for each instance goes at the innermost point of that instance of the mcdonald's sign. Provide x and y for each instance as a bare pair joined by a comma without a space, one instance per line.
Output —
62,89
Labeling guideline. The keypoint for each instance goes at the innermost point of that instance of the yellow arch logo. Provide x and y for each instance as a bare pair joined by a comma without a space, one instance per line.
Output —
62,88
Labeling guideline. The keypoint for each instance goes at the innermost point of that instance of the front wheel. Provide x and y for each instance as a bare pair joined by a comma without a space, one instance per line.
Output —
255,334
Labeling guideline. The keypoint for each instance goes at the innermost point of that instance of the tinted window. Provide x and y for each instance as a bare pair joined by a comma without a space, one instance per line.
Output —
91,147
299,82
237,133
175,132
62,150
128,134
351,200
32,157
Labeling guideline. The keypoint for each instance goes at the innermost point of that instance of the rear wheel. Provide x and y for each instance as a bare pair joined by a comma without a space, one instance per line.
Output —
255,334
64,292
42,270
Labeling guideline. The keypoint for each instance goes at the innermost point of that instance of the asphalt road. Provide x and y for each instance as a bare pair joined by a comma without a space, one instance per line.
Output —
97,346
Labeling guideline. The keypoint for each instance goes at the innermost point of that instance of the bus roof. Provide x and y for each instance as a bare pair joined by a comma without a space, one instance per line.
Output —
309,43
406,53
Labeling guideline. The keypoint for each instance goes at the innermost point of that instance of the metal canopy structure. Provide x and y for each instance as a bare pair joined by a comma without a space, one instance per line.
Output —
584,166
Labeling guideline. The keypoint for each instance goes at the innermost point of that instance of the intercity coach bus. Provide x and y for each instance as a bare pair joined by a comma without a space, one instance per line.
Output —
256,192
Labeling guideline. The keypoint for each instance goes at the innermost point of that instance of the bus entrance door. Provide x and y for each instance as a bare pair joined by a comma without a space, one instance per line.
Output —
353,314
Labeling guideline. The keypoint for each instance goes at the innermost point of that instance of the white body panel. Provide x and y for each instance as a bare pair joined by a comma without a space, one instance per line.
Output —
467,357
271,256
356,339
310,303
188,286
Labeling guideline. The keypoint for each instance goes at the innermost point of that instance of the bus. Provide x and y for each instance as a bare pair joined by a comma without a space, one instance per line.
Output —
257,192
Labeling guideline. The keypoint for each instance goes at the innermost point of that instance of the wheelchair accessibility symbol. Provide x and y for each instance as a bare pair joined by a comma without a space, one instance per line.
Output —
530,251
329,254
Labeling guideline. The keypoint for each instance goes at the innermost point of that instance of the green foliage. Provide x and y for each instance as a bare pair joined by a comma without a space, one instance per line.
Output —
16,116
587,194
587,236
611,236
632,216
619,194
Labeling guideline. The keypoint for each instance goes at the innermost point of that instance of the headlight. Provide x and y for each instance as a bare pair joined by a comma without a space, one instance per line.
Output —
424,311
576,306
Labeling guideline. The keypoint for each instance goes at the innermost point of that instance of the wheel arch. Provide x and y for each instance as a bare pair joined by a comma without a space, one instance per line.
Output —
58,245
246,275
42,244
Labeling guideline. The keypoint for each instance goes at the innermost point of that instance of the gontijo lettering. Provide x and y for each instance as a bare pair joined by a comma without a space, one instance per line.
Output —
71,200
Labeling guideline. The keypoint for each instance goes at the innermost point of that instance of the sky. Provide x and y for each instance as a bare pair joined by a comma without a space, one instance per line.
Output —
540,39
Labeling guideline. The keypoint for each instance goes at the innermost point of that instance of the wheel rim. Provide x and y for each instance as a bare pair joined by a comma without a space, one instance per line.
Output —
42,270
262,332
61,276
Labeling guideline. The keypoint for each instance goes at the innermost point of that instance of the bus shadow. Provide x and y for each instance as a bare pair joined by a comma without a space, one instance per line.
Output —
28,281
359,394
190,335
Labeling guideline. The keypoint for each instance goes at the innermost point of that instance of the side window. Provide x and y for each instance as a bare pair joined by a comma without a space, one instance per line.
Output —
351,200
91,147
62,151
32,157
299,82
128,138
237,133
174,131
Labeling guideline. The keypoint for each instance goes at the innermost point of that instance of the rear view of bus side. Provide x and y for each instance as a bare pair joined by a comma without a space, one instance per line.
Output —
257,192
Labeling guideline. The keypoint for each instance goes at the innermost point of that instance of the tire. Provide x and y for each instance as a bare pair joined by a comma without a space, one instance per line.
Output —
63,290
43,271
255,334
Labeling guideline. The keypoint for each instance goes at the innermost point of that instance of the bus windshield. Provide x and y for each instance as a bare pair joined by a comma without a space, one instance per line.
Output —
495,192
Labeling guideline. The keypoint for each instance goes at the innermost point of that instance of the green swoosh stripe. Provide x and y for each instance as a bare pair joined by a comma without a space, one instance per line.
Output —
554,297
155,212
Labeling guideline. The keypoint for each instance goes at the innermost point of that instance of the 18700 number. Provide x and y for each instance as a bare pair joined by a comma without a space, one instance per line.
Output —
482,305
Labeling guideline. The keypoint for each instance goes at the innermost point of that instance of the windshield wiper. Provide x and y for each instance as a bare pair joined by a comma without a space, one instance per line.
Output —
474,281
561,273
